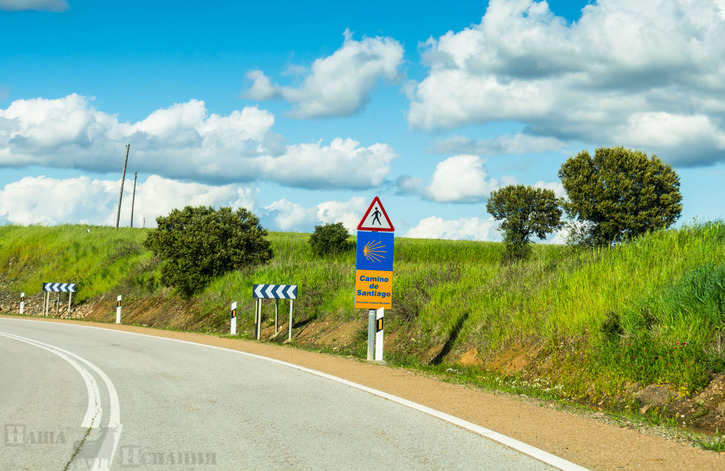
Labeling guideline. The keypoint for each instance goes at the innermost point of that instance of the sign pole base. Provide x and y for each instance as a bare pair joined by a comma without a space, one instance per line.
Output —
371,334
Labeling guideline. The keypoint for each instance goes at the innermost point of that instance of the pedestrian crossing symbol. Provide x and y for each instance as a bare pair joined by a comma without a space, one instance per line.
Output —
376,219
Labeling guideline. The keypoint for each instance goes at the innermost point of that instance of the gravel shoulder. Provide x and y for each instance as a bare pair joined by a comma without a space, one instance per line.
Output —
583,440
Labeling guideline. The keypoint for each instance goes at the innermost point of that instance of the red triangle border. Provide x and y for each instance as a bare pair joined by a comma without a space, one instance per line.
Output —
382,208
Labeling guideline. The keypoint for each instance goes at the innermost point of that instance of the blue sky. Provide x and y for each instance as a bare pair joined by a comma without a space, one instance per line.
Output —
304,112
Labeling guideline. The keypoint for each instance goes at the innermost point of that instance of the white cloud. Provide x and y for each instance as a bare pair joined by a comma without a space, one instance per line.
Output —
337,85
57,6
288,216
43,200
556,187
519,143
460,229
589,81
342,164
183,141
462,179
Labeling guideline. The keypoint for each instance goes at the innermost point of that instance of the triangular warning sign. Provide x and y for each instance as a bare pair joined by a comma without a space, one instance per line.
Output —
376,219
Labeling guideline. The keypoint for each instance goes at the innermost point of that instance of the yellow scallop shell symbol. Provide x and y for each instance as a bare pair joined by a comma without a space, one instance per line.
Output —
373,251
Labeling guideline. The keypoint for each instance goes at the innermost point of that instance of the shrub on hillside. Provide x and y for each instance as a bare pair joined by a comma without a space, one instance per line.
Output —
197,244
330,239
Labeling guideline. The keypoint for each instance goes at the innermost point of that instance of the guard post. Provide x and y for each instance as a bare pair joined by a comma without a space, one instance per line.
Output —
234,319
22,303
118,309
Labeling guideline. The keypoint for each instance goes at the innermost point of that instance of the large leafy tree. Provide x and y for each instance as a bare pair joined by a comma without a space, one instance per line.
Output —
330,239
525,212
619,194
197,244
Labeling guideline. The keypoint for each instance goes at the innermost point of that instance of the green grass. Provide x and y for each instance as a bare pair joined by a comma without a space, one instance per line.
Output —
593,321
715,443
95,258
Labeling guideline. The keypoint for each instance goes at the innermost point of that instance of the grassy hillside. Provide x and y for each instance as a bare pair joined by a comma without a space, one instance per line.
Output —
592,324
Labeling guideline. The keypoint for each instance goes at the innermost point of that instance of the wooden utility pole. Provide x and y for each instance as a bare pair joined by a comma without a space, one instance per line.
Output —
123,180
133,199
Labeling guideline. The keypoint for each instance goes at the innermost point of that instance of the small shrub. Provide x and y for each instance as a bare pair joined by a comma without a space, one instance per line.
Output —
197,244
330,239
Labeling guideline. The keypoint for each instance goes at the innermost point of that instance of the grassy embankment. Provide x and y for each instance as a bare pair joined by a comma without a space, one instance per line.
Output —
577,324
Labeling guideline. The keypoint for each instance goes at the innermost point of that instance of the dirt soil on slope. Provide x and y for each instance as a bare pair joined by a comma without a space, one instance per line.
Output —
586,440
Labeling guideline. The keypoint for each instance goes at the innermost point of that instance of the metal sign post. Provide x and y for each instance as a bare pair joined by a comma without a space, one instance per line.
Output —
275,292
291,307
371,334
276,315
48,288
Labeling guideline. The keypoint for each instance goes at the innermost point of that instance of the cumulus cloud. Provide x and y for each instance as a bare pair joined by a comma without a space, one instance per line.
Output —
57,6
44,200
458,179
459,229
285,215
645,74
337,85
556,187
507,144
183,141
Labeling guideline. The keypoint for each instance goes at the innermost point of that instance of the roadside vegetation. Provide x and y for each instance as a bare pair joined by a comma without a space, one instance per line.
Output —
593,325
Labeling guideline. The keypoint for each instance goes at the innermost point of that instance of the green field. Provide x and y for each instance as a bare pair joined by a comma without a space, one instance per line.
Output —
578,324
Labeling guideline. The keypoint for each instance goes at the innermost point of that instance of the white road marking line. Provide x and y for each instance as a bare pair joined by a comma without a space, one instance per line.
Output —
94,410
112,434
512,443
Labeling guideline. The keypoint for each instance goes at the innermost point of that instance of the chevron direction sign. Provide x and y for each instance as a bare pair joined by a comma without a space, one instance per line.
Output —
275,291
59,287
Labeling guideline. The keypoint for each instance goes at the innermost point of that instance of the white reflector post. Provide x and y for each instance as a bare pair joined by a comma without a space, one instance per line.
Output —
379,316
22,303
234,318
118,309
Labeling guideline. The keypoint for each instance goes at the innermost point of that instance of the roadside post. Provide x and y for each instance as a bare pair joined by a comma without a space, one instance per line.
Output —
22,303
276,292
234,318
379,318
374,272
118,309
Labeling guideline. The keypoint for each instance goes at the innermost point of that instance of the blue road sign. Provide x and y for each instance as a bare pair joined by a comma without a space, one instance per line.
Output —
375,251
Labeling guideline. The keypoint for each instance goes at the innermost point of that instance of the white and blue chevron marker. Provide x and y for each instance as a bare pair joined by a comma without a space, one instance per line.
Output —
59,287
275,291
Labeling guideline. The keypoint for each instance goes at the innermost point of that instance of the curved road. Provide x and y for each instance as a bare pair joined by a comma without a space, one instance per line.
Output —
78,397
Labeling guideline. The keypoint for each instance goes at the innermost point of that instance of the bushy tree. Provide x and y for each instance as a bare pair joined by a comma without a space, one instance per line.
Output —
197,244
525,212
619,194
330,239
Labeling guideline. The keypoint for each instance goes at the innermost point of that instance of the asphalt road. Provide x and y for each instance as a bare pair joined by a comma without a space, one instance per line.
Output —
75,397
